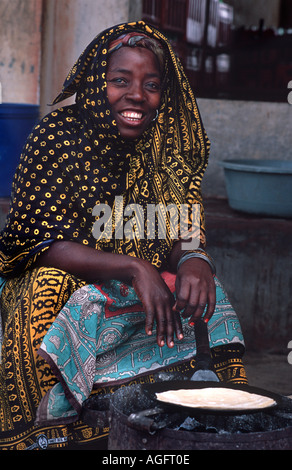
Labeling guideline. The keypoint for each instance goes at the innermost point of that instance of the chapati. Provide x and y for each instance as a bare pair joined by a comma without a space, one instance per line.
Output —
217,398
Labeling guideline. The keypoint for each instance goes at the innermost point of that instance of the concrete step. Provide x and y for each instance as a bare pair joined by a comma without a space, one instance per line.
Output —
253,256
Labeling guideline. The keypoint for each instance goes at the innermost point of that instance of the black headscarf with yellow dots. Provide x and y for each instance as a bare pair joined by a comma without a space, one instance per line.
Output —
75,159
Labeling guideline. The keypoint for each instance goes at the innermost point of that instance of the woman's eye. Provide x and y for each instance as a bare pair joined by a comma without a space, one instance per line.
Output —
118,80
153,86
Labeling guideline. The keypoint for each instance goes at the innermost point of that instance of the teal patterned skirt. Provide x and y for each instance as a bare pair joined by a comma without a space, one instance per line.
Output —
99,339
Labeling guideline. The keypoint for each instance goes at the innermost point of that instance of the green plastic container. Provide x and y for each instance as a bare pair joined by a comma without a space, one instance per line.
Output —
16,123
261,187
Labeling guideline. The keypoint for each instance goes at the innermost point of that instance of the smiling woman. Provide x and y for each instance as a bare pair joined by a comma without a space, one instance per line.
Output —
84,315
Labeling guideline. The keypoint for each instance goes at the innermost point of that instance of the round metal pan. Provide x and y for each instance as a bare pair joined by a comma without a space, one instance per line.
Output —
152,389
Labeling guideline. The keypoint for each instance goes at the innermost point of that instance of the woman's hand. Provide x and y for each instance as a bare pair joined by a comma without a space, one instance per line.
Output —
195,290
158,303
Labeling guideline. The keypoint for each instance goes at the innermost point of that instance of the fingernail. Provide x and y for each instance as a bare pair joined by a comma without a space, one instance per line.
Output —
192,323
206,320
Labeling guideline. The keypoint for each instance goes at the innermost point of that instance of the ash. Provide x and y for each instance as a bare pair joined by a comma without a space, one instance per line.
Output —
236,424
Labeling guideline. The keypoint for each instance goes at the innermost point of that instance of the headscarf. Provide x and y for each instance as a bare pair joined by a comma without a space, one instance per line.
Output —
140,40
75,159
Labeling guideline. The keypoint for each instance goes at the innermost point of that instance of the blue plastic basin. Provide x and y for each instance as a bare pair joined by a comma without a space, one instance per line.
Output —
16,123
259,186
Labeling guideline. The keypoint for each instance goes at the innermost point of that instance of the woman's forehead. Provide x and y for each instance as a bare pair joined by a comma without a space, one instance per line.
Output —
127,57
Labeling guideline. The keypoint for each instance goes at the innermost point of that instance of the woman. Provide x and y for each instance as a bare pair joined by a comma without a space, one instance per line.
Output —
92,303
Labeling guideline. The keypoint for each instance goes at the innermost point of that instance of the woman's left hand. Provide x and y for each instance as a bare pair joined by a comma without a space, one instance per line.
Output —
195,290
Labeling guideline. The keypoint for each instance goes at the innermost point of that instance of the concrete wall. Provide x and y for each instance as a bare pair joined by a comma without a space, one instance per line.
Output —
69,26
249,12
244,129
41,39
20,38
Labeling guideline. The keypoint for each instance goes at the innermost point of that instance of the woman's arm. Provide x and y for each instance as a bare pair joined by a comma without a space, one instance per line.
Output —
87,263
94,266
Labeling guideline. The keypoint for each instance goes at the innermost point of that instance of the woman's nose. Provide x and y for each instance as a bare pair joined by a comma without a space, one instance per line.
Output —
136,92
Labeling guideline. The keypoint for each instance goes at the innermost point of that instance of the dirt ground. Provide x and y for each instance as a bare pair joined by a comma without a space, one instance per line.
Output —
269,371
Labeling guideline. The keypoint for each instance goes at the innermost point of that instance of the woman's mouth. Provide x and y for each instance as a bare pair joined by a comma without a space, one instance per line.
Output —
132,123
132,116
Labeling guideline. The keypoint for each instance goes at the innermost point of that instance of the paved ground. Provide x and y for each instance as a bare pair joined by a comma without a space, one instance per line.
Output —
269,371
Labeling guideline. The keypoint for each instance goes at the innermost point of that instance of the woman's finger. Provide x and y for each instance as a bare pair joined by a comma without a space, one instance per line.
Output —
149,322
177,325
211,302
163,329
182,296
147,306
200,308
170,328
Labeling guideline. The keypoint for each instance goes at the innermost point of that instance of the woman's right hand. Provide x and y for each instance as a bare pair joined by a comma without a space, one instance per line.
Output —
157,301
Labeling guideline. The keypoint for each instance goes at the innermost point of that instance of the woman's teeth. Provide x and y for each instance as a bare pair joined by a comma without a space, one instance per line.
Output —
131,115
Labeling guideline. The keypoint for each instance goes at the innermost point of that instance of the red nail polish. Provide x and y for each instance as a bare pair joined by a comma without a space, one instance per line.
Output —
192,323
206,320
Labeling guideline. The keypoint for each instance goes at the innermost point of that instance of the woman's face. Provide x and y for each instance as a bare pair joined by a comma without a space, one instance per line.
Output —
133,89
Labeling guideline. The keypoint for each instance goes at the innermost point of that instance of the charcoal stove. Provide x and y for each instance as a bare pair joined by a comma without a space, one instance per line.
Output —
139,422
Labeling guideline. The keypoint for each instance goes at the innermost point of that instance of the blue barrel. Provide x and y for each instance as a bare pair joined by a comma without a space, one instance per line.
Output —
16,123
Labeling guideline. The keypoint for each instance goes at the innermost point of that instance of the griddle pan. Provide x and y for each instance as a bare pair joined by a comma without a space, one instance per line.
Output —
151,390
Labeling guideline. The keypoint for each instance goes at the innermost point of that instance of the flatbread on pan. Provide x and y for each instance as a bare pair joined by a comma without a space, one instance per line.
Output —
217,398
